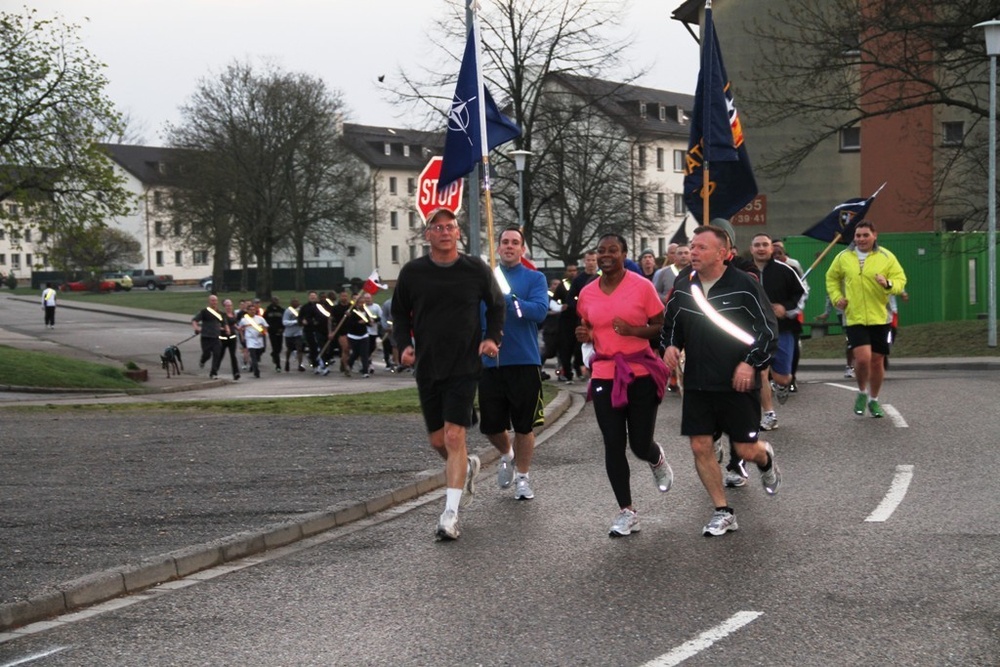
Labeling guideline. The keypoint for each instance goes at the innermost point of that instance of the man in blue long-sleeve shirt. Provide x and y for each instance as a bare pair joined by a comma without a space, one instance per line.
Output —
510,387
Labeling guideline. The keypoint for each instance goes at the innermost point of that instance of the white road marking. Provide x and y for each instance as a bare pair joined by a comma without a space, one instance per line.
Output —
36,656
897,419
694,646
900,483
894,416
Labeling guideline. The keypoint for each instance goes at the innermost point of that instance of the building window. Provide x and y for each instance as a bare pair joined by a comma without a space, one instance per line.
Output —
157,199
642,157
953,224
413,252
352,250
850,139
199,257
679,204
177,228
158,228
679,160
3,259
394,254
411,186
393,220
159,258
27,235
45,236
413,219
953,134
392,185
661,203
315,251
642,202
663,112
642,109
661,246
3,233
659,159
27,259
178,258
643,243
388,148
15,261
406,150
13,209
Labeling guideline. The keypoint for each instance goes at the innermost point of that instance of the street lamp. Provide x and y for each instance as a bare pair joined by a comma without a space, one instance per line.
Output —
992,30
520,162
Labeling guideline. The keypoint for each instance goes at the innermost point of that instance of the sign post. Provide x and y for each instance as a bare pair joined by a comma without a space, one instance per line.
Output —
428,197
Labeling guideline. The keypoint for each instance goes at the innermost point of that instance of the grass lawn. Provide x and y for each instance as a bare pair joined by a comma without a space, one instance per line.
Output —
36,369
938,339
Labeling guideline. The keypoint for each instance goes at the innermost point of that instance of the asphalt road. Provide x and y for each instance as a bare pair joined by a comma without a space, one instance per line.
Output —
808,579
878,550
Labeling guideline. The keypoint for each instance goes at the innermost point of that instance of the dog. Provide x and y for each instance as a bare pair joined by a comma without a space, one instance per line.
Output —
171,360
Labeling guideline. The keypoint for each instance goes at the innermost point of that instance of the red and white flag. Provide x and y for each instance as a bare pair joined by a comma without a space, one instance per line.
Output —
373,285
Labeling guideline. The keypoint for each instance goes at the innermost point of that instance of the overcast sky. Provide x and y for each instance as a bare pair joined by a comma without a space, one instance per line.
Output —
157,51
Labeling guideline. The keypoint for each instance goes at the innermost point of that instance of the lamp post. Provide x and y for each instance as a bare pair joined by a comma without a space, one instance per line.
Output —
992,30
520,162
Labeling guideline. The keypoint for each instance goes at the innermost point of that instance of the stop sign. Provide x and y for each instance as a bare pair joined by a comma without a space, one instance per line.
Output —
428,197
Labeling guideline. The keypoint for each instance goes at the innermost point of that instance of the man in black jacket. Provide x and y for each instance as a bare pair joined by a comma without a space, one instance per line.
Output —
787,296
723,321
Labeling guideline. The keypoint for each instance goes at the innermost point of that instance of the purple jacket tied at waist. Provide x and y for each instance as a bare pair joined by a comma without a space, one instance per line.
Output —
624,375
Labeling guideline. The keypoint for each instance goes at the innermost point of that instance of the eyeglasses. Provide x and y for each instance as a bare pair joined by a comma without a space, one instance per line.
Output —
440,229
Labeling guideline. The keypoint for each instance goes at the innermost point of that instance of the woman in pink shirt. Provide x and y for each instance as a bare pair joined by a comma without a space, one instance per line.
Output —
621,312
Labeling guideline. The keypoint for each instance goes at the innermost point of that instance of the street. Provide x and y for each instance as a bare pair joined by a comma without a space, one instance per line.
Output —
848,565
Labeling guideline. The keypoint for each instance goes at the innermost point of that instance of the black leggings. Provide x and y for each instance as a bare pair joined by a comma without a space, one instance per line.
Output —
635,423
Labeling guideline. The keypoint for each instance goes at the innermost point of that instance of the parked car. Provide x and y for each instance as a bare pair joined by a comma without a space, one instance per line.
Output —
89,285
206,283
122,280
150,279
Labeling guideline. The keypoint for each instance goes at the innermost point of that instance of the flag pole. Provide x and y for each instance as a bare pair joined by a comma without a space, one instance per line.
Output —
822,255
706,124
483,142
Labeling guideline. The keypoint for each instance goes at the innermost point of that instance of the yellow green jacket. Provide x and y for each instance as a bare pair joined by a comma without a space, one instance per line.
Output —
867,301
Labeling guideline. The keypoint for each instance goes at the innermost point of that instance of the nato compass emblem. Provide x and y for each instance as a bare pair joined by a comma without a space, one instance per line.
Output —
459,118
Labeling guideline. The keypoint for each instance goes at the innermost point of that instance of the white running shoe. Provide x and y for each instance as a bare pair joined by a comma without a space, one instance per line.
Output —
522,490
470,481
447,528
505,473
626,523
722,522
663,474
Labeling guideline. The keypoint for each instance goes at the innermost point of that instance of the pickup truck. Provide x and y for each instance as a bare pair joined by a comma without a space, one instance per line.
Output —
150,280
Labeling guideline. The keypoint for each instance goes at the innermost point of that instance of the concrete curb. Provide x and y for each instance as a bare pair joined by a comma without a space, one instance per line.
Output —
101,586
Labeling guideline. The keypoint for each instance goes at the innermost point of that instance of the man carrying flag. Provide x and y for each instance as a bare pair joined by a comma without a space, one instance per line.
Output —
718,178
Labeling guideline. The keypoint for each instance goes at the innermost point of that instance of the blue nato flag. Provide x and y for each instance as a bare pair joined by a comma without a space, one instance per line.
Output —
462,146
716,134
842,220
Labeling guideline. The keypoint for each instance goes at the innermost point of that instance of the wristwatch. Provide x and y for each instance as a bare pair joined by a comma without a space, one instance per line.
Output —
888,284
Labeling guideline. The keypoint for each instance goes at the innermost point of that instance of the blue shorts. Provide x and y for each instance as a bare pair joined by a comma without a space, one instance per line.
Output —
782,361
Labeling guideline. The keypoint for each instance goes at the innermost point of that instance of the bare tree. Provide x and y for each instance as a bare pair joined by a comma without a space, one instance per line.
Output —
53,110
269,140
830,65
93,249
523,41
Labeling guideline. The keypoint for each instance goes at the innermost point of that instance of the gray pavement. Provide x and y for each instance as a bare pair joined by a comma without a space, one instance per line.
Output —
96,505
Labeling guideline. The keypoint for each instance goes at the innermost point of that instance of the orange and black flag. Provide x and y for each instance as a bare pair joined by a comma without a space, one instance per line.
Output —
716,138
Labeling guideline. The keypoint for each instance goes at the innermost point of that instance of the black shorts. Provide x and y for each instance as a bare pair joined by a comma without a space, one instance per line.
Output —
876,335
448,400
510,395
736,413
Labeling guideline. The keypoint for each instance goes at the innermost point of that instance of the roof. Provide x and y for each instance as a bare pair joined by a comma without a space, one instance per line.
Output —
408,149
644,112
151,165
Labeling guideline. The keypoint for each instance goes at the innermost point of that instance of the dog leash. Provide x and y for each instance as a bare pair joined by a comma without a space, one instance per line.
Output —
186,340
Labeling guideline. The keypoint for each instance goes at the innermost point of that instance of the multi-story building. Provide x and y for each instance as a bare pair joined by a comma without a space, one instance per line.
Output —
910,149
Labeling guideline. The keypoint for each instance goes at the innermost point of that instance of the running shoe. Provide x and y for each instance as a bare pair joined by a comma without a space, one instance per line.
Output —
522,490
447,528
734,479
470,481
771,479
626,523
770,421
848,371
505,473
859,403
875,409
793,388
721,523
663,474
780,392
